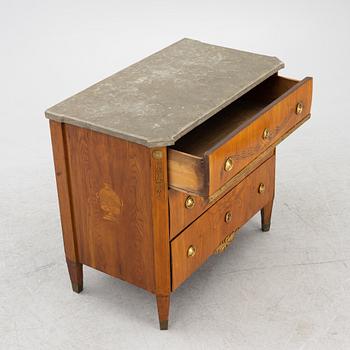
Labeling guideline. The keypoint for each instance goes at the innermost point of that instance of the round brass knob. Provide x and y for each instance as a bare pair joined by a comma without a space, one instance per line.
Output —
228,217
191,251
299,108
228,164
189,202
261,188
266,134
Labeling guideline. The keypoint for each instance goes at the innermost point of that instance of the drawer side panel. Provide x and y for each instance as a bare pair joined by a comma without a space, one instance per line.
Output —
111,196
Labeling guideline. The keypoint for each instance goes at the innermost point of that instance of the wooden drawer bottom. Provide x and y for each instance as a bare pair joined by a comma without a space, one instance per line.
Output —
202,238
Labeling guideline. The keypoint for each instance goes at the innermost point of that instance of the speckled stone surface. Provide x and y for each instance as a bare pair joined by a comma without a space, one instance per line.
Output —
159,99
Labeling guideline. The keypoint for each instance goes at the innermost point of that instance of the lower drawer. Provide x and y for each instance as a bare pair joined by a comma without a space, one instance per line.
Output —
185,208
203,237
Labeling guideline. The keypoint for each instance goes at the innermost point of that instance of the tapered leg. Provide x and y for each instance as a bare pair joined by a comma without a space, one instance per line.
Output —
266,212
76,275
163,302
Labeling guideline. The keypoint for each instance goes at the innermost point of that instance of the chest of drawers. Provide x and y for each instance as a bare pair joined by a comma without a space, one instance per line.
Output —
160,164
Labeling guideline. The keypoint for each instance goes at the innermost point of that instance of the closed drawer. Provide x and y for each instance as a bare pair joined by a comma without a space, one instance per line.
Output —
206,158
200,240
185,208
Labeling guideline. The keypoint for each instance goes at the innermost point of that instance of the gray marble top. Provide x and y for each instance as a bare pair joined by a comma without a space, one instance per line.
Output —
159,99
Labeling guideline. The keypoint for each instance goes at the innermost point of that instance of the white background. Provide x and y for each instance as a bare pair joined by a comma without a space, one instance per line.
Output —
286,289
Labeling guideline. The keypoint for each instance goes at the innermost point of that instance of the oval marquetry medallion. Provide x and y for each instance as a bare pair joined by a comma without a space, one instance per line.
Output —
110,202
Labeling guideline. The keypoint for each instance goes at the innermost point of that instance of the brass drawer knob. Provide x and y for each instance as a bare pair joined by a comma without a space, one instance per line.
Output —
189,202
228,217
299,108
228,164
266,134
261,188
191,251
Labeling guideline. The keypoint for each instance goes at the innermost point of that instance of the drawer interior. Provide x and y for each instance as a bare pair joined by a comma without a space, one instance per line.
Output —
234,117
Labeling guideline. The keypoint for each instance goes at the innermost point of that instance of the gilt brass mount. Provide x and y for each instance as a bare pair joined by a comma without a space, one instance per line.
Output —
299,108
189,202
191,251
228,164
228,216
226,242
266,134
261,188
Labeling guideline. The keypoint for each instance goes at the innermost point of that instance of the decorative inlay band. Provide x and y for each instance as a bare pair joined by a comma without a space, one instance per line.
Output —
159,177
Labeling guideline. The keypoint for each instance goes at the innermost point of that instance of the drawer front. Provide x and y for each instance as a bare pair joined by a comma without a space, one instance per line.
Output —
184,208
200,240
187,207
271,126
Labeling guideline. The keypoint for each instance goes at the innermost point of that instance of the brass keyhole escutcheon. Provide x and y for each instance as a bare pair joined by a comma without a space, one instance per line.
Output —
266,134
299,108
228,217
228,164
189,202
191,251
261,188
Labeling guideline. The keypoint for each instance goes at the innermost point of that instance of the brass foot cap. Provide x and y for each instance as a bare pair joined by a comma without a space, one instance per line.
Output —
163,325
77,287
265,227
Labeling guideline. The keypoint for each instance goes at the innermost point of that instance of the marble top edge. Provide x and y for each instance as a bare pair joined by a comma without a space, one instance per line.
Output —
159,99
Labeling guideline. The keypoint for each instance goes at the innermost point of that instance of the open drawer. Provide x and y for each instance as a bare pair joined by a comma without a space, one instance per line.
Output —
203,160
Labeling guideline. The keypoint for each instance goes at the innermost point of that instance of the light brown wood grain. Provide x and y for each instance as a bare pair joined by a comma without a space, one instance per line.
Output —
160,221
248,143
64,190
111,183
163,304
206,233
119,216
75,270
161,243
266,213
181,217
187,172
236,132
